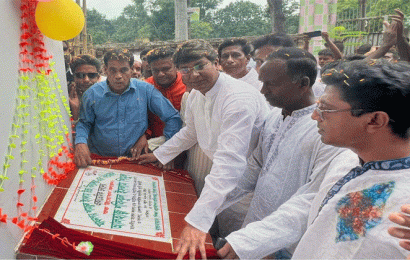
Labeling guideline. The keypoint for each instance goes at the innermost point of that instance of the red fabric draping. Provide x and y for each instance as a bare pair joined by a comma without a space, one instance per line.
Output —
40,243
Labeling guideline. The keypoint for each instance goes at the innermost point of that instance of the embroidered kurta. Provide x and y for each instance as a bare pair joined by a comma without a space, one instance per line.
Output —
226,123
174,94
353,220
289,159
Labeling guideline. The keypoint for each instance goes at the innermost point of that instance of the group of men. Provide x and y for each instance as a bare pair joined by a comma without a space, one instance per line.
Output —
320,188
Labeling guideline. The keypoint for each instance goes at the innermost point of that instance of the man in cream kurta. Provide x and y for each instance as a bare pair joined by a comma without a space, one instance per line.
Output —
252,78
224,116
348,218
290,157
226,123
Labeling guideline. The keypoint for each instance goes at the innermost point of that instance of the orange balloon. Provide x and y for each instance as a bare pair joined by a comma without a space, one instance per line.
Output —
59,19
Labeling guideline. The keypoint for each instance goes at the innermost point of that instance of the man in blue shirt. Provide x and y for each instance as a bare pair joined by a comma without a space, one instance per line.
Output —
113,115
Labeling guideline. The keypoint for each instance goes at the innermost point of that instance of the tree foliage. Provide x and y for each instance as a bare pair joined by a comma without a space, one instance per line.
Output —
98,26
241,18
155,20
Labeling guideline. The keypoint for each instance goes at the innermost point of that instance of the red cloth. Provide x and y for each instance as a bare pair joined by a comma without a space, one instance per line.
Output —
43,244
174,94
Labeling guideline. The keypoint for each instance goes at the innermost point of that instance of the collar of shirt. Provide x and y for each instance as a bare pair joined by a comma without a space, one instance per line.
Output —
304,111
217,86
107,90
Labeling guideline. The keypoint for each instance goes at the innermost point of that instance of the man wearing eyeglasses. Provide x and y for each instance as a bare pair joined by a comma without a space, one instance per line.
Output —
167,79
113,115
224,116
290,159
361,109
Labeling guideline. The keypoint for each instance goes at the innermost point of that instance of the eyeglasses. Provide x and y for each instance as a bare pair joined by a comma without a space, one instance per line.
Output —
321,112
82,75
196,68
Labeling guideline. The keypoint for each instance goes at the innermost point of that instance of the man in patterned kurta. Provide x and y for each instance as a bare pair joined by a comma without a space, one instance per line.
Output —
362,109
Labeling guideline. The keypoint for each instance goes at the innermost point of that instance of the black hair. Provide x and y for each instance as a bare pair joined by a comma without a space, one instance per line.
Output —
194,50
326,52
159,53
299,62
246,48
144,52
365,48
375,85
121,55
276,39
354,57
85,59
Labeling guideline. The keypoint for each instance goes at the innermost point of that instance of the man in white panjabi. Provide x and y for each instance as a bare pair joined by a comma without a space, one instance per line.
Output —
290,157
234,56
361,109
224,116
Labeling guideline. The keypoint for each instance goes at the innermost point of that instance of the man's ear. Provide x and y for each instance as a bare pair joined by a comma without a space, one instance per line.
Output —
305,82
377,120
248,58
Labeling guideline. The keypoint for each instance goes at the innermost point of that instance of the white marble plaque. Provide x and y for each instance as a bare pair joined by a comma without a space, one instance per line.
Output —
117,202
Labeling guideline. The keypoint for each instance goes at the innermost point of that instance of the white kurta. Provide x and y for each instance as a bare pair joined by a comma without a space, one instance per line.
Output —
226,123
290,158
354,222
197,163
252,77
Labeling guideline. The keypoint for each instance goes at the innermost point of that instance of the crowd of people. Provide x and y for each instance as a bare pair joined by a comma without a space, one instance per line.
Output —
291,156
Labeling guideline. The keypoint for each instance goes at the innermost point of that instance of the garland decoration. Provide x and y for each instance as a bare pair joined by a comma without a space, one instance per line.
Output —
38,130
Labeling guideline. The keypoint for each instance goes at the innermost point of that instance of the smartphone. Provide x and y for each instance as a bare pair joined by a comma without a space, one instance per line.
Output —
314,34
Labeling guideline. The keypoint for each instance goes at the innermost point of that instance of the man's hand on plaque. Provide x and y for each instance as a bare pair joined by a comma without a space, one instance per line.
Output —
82,155
227,252
140,147
191,239
148,158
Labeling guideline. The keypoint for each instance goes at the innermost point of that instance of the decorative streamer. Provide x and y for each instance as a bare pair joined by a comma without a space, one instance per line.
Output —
38,130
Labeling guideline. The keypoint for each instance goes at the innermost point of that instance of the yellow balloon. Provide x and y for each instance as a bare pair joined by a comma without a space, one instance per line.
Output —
59,19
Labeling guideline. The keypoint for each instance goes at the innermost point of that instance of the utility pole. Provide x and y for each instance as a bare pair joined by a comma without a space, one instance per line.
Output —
181,20
77,38
84,33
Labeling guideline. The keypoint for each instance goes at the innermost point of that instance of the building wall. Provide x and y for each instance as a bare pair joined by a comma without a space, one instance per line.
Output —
10,234
317,15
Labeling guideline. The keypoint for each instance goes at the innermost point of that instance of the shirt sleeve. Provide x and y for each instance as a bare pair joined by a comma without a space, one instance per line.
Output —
284,227
163,108
248,180
181,141
86,119
229,160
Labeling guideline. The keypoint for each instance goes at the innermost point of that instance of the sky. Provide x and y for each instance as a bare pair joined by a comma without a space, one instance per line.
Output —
113,8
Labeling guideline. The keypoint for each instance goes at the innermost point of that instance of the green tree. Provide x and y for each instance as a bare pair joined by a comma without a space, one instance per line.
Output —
291,12
162,20
200,30
99,27
206,6
133,18
241,18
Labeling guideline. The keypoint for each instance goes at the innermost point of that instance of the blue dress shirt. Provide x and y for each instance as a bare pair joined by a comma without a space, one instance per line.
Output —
112,123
